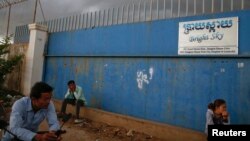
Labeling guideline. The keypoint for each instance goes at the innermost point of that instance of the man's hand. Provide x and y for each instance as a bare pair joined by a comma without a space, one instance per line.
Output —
72,89
51,136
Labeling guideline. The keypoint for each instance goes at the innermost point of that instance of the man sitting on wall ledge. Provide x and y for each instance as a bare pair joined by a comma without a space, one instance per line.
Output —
73,96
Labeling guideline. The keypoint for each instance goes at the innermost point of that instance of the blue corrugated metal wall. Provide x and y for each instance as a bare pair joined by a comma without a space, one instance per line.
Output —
135,70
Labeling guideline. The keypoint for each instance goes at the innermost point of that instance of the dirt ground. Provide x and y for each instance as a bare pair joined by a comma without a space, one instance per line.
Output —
96,131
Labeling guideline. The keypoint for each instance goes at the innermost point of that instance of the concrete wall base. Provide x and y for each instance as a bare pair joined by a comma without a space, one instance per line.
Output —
162,131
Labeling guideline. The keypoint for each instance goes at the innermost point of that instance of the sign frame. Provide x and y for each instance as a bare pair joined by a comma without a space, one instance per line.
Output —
209,37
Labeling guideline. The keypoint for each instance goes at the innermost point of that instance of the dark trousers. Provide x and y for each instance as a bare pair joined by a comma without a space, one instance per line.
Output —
78,104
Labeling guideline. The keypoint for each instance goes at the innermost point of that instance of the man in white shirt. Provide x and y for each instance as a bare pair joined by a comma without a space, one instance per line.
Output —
74,96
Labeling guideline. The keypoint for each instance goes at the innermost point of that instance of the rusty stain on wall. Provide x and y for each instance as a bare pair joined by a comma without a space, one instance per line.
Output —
14,79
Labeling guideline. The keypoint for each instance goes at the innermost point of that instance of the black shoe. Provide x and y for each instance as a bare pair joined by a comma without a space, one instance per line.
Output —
60,115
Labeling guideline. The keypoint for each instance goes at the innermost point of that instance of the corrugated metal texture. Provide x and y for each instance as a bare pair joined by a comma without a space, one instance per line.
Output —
157,38
135,70
134,12
22,34
169,90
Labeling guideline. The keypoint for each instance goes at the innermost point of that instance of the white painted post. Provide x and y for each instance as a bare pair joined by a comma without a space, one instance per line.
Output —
34,57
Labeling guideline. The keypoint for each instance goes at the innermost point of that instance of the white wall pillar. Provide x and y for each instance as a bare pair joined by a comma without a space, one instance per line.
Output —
34,57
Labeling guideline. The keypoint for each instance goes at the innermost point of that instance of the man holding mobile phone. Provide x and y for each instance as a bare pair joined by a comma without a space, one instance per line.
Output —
29,112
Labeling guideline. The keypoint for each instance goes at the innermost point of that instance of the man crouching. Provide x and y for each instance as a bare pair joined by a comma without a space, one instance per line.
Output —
29,112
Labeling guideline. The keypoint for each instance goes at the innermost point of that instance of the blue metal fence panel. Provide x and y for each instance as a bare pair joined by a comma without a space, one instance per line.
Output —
177,93
158,38
135,70
151,10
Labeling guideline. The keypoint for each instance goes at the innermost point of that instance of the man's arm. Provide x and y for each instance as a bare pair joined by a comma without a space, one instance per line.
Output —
78,92
52,118
16,122
67,94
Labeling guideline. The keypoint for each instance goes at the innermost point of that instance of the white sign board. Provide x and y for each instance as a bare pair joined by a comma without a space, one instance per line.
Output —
209,37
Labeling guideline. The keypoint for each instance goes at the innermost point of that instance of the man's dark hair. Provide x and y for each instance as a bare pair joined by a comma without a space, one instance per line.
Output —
39,88
71,82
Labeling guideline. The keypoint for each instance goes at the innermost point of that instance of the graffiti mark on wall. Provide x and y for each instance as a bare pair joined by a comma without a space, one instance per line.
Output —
151,72
144,77
241,65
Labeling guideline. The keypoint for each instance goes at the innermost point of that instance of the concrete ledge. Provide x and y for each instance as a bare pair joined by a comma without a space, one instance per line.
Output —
38,27
162,131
